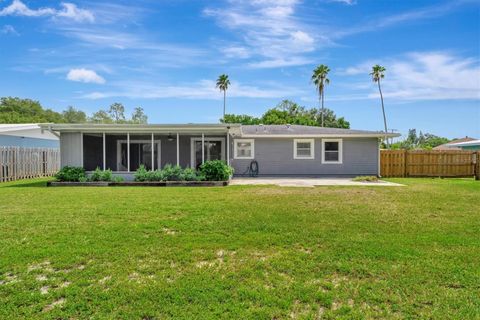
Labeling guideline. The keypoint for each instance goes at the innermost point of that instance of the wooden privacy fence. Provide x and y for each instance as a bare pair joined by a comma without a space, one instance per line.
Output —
420,163
23,163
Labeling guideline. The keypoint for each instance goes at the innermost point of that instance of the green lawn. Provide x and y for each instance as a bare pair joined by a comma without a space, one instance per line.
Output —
241,252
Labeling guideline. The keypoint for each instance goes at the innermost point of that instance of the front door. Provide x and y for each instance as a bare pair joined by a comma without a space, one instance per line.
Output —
214,149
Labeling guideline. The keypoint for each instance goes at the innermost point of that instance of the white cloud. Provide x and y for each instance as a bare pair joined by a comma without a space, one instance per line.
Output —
84,75
8,29
269,31
236,52
203,89
69,11
423,76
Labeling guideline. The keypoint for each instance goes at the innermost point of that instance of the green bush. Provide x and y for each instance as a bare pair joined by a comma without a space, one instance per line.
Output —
172,173
190,174
141,174
101,175
70,174
168,173
118,179
216,170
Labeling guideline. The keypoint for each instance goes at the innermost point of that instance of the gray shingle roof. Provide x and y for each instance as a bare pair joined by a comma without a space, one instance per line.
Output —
268,130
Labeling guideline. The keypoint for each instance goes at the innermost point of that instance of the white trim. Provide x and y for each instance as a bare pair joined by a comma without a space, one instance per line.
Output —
205,139
119,153
128,152
81,149
228,149
312,148
252,144
333,135
153,153
178,149
104,152
340,151
203,148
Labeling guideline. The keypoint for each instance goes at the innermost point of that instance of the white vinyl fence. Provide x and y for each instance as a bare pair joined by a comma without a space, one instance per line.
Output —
24,163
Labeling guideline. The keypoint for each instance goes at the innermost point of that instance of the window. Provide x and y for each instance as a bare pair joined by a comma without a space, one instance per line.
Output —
303,149
244,149
332,151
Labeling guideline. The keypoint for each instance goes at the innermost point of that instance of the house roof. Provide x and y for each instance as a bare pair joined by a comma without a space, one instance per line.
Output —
307,131
450,145
467,143
27,130
276,131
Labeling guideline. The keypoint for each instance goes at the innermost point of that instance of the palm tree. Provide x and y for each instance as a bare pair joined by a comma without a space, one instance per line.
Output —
319,78
378,72
222,84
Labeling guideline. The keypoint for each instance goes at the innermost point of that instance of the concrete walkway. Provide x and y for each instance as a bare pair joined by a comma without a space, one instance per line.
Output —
309,182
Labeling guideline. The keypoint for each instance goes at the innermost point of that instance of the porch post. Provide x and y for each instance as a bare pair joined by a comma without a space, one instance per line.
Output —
128,152
203,148
104,153
178,149
228,148
153,153
81,149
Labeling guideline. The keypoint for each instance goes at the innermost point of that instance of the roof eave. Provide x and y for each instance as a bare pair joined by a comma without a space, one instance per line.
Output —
329,135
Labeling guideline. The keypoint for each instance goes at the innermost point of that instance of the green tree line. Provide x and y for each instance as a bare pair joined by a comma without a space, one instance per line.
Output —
17,110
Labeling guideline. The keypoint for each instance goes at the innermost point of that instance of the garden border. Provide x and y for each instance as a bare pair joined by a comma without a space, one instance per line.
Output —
139,184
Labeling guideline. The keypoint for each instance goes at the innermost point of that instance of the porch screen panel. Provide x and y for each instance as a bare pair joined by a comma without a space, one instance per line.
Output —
92,151
140,151
116,151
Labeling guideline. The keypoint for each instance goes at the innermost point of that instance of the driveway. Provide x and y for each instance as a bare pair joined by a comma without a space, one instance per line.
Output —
308,182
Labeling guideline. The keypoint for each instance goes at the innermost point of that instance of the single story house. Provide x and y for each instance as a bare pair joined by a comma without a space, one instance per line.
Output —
27,135
472,145
277,150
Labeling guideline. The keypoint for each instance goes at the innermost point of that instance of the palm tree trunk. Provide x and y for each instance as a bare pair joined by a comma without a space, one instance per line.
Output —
224,99
384,117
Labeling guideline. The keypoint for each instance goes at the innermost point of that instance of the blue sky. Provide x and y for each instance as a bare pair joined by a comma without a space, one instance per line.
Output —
166,55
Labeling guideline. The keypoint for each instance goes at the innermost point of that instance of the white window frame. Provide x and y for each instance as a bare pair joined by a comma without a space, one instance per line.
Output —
252,144
340,151
205,139
312,148
130,142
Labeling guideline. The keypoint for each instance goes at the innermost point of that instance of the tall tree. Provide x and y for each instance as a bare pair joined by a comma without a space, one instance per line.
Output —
117,112
72,115
222,84
378,73
101,116
138,116
18,110
319,78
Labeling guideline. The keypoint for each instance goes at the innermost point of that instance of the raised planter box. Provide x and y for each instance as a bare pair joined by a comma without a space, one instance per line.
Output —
141,184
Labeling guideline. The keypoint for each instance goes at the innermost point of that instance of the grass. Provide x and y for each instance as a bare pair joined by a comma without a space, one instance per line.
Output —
241,252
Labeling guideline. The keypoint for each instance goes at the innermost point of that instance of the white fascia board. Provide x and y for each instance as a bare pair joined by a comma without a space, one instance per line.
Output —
301,136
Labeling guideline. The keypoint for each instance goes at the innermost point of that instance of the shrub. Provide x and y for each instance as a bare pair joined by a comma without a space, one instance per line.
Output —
172,173
101,175
83,179
106,175
141,174
70,174
366,179
118,179
216,170
190,174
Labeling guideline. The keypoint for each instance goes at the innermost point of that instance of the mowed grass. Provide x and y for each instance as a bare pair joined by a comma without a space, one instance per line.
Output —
243,252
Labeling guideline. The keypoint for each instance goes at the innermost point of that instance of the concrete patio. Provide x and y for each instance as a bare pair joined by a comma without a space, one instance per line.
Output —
308,182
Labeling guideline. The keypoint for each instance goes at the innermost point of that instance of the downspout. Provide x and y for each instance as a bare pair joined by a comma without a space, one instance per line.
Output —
52,132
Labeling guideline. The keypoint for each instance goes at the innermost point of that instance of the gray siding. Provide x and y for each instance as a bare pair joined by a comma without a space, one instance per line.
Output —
275,157
71,149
